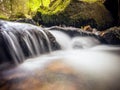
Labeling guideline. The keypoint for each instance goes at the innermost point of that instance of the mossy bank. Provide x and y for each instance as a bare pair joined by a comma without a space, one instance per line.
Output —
77,14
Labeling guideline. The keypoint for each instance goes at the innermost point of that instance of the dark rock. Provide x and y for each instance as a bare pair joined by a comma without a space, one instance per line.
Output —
113,6
112,36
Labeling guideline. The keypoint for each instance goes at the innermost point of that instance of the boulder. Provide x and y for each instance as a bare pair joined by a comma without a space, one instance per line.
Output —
77,13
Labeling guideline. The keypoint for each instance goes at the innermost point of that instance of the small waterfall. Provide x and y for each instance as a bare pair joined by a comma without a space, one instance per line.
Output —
22,41
13,46
25,40
83,63
62,38
79,42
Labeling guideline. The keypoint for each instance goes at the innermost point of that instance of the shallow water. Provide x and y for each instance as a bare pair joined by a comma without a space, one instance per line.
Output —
96,68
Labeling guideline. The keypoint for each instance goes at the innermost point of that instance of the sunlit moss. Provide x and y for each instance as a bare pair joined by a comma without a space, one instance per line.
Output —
53,7
46,3
34,4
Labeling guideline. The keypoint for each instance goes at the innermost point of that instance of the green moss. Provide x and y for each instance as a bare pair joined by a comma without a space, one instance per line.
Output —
10,8
34,5
54,7
3,17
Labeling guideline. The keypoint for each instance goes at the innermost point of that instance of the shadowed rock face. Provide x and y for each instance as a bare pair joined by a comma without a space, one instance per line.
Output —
113,6
112,36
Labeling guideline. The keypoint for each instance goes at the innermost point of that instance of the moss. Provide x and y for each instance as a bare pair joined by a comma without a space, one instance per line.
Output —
3,17
54,7
11,9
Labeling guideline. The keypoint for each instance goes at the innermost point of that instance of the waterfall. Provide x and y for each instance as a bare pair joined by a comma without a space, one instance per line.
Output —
24,40
80,42
20,41
60,58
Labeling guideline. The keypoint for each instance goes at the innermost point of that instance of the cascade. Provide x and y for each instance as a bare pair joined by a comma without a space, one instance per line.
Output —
60,58
22,41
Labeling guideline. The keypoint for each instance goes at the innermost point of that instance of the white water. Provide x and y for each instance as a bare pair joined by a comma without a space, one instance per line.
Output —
98,62
96,68
96,65
66,42
14,46
30,36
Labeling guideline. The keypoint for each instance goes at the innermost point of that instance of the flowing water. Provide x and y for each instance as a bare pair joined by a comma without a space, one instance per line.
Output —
24,40
83,63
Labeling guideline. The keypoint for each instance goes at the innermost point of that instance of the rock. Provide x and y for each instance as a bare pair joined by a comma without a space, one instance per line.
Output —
27,20
78,14
112,36
74,32
53,43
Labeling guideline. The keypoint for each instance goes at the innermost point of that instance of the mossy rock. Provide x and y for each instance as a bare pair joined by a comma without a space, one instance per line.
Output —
78,14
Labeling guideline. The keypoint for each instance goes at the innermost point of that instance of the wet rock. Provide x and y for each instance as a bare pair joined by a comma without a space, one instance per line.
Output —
112,36
27,20
74,32
53,43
